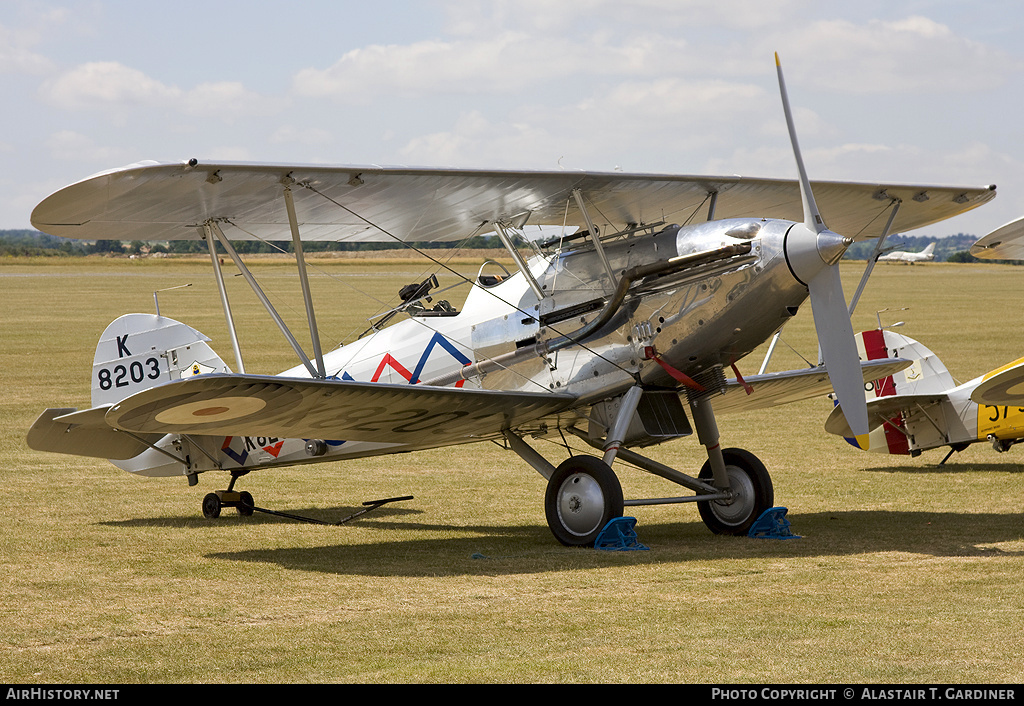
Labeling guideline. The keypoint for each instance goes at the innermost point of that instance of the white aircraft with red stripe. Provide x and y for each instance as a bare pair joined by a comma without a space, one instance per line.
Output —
922,408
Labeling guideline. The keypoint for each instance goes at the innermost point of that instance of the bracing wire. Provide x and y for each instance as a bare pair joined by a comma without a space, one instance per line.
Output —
445,266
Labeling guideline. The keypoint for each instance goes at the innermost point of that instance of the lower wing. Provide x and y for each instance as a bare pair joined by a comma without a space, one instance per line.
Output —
251,405
771,389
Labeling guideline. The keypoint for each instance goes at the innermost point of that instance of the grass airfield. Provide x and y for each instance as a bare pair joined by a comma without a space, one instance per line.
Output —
904,572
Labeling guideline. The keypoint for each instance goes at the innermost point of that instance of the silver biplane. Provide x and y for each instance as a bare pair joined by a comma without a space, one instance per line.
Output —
610,333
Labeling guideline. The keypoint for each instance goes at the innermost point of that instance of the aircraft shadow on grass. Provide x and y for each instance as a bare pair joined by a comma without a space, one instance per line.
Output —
500,549
951,468
318,515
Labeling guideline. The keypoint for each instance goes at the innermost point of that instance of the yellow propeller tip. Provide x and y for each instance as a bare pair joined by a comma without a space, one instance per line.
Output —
863,441
777,62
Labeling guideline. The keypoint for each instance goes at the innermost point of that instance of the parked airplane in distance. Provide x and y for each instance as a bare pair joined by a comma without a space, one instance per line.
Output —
922,407
926,255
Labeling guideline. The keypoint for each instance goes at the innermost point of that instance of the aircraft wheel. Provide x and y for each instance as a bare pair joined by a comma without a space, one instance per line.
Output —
583,495
211,506
749,480
245,504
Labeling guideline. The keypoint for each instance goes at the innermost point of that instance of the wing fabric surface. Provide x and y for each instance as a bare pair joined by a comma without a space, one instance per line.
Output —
772,389
169,201
1002,387
253,405
1005,243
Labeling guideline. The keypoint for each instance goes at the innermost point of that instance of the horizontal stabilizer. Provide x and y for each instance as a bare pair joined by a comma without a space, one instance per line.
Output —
881,410
772,389
255,405
65,430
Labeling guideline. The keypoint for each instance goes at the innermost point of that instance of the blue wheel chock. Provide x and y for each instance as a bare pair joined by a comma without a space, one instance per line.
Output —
618,536
772,524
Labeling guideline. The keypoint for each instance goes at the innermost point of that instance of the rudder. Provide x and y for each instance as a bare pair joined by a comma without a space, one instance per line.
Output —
926,375
140,351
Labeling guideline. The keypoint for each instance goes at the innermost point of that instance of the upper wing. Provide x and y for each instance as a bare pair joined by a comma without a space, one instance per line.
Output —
773,389
154,201
1004,243
255,405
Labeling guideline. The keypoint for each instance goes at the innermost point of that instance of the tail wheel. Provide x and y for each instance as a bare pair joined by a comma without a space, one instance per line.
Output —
583,495
752,494
211,506
245,504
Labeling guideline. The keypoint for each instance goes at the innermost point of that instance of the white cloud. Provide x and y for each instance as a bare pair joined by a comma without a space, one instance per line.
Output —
475,140
661,121
103,84
506,63
472,18
16,54
226,100
416,69
909,55
111,86
69,145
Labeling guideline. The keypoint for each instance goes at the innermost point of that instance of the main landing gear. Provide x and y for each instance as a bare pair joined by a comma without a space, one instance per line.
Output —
751,489
583,494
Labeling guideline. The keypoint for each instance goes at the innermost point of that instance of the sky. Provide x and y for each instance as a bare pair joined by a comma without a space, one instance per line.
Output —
915,91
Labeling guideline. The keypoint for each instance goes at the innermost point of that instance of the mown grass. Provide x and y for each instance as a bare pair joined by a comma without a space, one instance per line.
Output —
903,573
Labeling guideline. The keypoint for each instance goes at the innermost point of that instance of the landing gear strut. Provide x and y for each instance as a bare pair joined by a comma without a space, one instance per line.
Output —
732,490
738,473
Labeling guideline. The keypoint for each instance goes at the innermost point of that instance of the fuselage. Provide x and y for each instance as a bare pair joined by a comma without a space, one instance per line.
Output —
697,320
694,320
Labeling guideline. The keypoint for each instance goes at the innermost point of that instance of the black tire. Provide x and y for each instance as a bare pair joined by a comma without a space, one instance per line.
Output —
749,479
245,504
211,506
582,496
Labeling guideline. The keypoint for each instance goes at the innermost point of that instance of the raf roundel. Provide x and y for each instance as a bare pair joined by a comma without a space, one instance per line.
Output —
204,411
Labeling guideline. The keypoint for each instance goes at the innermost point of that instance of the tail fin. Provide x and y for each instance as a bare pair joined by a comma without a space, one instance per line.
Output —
135,352
926,375
139,351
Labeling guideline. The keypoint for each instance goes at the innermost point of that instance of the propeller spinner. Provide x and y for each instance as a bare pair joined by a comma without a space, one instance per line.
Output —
814,252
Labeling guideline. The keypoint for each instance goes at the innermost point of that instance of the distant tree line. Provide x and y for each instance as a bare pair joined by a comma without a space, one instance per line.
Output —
952,248
26,243
23,243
